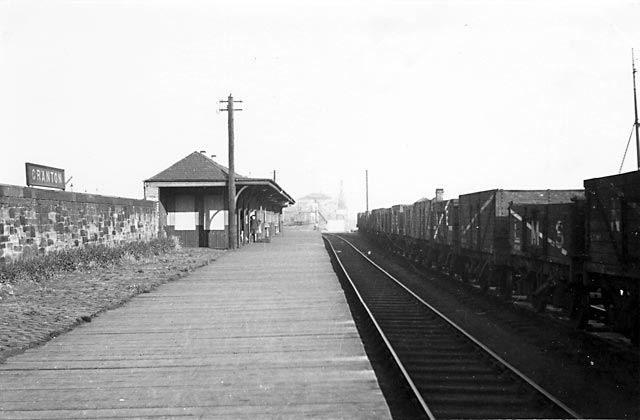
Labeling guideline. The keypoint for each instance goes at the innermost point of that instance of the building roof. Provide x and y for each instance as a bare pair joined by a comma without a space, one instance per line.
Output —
197,169
194,167
316,197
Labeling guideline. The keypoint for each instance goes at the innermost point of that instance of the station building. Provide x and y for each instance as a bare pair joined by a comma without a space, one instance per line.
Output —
192,197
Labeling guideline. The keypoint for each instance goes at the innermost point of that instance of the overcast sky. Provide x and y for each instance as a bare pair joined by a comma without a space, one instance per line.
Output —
463,95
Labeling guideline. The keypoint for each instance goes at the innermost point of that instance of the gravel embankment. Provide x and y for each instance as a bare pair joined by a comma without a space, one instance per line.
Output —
31,312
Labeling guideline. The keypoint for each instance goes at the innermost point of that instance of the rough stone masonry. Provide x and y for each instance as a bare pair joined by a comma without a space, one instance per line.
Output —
35,221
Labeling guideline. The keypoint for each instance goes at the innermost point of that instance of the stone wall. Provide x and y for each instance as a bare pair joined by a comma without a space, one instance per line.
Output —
34,221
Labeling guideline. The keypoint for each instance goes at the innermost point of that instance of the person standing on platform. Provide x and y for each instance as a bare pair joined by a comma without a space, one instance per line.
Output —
253,226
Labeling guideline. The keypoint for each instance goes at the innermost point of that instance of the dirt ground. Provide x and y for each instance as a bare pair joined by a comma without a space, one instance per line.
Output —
32,312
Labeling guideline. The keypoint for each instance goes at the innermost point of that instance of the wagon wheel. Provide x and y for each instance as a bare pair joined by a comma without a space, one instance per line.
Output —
539,301
464,270
624,314
561,295
482,274
634,321
448,263
484,277
457,265
528,283
579,310
506,283
635,329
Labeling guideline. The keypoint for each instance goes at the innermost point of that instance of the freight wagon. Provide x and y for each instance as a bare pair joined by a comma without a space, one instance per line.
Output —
485,249
578,250
612,266
546,244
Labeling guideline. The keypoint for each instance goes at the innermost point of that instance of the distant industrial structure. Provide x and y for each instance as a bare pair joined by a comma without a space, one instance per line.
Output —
319,211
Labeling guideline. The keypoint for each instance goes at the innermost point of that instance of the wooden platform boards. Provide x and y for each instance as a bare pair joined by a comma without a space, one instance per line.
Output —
264,332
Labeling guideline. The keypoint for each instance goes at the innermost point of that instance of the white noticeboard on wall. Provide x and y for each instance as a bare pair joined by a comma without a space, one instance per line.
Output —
185,220
217,219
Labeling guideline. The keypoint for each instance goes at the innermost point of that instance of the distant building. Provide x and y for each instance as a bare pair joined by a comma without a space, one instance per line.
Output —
308,211
318,211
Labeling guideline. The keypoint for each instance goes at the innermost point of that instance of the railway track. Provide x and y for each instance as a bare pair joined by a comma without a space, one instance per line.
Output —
450,373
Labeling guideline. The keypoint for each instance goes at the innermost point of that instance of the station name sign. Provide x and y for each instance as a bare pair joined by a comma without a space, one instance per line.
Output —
44,176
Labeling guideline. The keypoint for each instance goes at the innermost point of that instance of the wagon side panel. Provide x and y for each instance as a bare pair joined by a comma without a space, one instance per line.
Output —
613,217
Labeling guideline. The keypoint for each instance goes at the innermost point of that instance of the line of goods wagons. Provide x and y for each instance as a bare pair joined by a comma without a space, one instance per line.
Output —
577,250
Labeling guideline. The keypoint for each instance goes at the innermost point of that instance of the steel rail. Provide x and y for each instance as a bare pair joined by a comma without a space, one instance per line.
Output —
503,362
395,356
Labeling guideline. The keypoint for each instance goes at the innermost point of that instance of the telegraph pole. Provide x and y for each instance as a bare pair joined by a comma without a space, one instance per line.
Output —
366,175
635,105
233,228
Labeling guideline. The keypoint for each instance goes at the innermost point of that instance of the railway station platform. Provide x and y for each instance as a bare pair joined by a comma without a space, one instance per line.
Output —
262,333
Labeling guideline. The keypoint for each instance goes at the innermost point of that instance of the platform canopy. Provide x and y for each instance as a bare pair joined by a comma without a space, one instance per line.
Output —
198,170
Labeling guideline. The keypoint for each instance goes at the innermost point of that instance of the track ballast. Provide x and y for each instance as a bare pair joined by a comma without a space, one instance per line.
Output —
451,374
